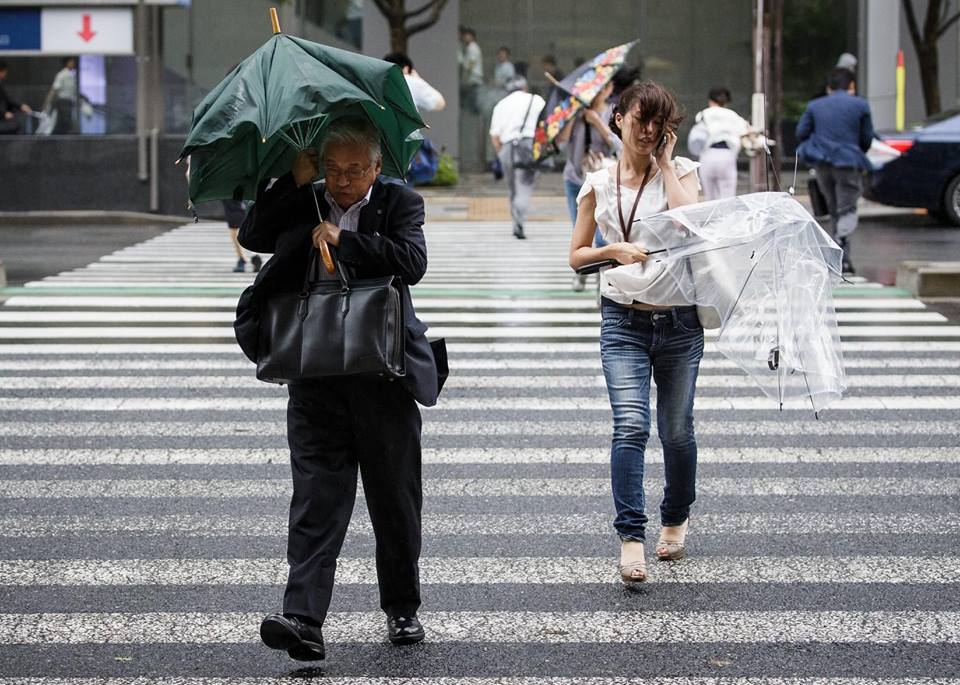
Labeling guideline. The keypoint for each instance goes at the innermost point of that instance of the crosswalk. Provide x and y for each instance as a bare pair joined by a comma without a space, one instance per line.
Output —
144,483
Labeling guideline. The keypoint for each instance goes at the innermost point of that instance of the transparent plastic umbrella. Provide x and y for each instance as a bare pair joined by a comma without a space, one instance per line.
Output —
767,269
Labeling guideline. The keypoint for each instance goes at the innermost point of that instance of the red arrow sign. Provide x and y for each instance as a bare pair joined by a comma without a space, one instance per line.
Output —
86,34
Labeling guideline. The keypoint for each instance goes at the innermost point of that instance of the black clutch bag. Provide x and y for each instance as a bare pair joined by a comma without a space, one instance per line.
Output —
339,327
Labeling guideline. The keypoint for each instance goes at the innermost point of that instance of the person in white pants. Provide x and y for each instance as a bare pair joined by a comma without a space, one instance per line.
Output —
716,138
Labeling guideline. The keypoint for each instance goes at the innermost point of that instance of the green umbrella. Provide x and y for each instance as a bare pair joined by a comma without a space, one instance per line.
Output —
280,100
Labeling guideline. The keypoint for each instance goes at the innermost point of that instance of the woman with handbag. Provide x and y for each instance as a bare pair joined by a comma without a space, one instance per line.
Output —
638,340
589,145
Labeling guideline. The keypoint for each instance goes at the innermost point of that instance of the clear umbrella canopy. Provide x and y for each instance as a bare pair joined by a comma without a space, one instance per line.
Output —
765,266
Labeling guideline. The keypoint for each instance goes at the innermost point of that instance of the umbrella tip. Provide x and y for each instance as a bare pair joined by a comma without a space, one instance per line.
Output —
274,20
263,140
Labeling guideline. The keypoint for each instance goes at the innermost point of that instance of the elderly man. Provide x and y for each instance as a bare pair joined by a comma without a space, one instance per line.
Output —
336,425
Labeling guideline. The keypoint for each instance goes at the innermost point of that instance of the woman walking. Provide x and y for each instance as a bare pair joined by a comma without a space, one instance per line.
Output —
637,339
716,138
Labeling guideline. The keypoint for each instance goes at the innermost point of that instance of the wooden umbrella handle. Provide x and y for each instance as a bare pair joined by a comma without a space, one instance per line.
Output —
327,257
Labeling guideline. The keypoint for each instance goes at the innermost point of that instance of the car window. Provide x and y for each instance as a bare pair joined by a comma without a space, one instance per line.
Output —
948,120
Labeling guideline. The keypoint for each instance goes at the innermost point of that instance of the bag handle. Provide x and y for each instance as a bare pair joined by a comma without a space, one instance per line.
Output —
315,261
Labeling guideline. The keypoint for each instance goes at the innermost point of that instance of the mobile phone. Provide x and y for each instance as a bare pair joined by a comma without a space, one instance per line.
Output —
659,149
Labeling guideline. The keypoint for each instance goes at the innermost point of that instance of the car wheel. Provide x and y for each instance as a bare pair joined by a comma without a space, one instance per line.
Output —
951,202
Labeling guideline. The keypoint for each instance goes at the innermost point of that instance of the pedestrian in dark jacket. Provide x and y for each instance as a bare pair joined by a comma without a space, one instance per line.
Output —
8,106
337,425
835,132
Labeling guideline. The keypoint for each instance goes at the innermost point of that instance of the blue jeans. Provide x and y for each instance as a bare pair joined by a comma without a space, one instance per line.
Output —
633,344
571,190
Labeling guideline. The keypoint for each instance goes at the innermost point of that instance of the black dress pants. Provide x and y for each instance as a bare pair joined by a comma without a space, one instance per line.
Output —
335,426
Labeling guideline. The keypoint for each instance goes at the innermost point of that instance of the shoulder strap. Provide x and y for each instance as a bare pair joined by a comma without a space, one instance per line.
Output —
526,115
626,226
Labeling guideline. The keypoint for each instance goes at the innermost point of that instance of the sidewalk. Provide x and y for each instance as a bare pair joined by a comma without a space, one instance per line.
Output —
479,198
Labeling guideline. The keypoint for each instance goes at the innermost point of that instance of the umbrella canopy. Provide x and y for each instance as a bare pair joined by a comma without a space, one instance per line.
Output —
768,269
575,92
280,100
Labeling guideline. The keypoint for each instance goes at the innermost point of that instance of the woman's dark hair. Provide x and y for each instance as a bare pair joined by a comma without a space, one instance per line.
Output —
720,95
655,103
624,78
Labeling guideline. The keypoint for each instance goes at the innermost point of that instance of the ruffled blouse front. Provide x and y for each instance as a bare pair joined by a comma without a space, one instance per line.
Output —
653,201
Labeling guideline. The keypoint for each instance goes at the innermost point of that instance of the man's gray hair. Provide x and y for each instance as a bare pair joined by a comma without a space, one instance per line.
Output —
352,131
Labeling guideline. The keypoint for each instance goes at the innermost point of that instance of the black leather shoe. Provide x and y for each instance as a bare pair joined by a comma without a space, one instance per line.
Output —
302,641
518,231
404,630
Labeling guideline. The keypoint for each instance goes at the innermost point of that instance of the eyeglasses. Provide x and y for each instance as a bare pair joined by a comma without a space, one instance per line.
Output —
352,174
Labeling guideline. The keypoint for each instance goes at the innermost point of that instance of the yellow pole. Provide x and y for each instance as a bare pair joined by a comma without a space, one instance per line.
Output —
901,92
274,20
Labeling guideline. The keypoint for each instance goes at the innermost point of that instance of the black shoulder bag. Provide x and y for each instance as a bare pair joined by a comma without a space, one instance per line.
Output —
521,149
336,327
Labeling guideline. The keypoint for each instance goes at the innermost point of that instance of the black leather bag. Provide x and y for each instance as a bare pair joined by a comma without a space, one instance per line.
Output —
521,149
337,327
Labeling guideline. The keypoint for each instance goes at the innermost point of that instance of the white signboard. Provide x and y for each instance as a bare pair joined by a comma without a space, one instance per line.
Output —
89,31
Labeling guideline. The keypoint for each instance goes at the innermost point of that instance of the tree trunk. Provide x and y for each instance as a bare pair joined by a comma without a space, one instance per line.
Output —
398,35
930,77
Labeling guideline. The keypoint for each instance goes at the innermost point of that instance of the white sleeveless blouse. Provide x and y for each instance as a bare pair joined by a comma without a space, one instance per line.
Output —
654,200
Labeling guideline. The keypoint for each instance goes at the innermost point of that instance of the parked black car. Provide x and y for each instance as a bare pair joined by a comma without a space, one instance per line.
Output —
927,173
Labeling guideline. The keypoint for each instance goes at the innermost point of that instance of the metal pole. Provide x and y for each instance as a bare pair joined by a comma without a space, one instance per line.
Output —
140,42
154,170
757,104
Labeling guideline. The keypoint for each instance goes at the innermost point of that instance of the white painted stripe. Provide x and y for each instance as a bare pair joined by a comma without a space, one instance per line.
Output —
524,332
733,627
899,381
422,302
231,404
79,363
430,317
454,347
61,283
432,427
460,680
729,523
482,487
487,571
487,456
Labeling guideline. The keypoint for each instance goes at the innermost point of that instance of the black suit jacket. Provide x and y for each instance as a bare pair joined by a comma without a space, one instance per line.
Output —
388,241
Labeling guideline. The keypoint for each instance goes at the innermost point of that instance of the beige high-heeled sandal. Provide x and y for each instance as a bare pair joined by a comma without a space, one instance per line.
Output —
671,550
632,569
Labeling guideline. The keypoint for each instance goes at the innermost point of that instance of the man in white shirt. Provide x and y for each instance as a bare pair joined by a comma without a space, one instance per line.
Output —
470,58
425,97
512,125
504,72
63,97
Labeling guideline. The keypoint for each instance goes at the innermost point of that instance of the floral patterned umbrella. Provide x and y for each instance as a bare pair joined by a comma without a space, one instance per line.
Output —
575,92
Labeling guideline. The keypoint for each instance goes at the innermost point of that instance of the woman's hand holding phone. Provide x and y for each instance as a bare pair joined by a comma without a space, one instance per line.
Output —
664,151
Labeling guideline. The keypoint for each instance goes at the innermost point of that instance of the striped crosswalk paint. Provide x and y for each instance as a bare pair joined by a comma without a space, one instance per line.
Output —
485,570
128,413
